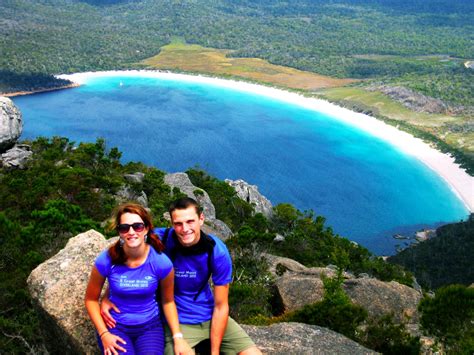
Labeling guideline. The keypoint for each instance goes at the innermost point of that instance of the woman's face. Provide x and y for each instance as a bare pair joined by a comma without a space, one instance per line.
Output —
132,230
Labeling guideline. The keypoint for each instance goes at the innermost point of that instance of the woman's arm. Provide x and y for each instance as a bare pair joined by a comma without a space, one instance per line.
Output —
171,314
94,287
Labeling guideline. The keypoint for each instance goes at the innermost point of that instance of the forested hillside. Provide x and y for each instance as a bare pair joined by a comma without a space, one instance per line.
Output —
421,44
443,260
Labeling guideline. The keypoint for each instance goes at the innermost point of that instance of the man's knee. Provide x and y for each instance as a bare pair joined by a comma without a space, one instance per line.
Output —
251,351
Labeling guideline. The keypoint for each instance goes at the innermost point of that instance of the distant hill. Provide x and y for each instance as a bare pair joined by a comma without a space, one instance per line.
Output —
443,260
391,41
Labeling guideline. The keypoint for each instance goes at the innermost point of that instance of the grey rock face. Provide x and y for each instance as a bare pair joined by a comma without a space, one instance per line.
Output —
182,182
213,225
16,157
126,194
277,263
296,290
250,193
58,287
11,124
380,297
298,338
135,178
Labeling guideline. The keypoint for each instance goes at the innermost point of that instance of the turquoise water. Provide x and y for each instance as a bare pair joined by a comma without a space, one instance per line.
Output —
366,189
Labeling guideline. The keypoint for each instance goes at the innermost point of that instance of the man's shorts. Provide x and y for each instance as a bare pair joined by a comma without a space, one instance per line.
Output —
234,341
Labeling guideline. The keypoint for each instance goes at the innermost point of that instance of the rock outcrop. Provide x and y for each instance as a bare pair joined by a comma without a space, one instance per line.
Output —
16,157
250,193
296,290
213,225
379,298
298,286
182,182
11,124
58,286
413,100
125,193
298,338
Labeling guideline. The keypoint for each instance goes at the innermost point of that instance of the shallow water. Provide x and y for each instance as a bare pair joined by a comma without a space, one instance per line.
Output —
366,189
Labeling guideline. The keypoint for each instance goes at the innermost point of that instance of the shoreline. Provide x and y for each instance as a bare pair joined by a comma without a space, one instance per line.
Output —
21,93
460,182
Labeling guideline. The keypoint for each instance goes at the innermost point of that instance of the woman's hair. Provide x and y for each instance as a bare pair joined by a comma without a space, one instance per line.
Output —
116,251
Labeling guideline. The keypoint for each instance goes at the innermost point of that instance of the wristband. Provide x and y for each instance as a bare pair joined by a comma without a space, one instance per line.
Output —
178,335
105,331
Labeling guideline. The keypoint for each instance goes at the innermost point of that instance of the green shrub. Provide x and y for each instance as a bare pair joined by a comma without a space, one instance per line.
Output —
251,296
449,316
386,337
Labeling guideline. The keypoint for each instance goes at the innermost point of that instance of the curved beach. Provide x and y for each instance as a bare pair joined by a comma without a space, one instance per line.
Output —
461,183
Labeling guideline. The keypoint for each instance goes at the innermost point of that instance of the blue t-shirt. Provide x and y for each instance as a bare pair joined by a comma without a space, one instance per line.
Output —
191,272
133,290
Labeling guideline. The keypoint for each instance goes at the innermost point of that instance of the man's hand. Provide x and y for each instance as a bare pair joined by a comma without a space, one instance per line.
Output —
105,307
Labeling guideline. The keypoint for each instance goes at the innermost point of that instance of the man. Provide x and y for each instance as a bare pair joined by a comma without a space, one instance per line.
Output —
196,257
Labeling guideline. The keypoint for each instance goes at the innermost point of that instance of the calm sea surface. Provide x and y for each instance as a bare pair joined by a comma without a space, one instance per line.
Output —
366,189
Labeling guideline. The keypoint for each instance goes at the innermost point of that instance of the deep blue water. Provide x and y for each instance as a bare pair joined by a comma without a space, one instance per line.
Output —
366,189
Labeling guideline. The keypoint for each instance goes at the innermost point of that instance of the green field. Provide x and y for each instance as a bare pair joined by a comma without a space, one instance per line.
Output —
194,58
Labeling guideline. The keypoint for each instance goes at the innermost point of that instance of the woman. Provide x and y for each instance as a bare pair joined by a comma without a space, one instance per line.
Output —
134,267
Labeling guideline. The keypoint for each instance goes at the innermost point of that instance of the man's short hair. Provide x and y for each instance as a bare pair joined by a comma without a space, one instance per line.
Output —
184,203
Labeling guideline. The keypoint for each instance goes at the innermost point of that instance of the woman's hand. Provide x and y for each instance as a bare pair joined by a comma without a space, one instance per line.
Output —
181,347
111,344
105,306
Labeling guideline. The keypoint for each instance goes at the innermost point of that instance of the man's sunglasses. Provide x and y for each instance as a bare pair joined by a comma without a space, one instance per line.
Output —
137,227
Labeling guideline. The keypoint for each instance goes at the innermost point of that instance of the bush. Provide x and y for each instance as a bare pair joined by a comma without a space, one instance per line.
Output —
449,316
386,337
251,295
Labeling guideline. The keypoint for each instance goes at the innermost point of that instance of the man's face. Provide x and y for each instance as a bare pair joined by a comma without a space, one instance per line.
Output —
187,225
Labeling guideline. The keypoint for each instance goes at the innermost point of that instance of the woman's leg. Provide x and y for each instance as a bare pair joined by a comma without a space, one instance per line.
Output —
151,339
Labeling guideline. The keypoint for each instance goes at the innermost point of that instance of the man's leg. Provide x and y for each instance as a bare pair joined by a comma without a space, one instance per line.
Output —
193,334
236,341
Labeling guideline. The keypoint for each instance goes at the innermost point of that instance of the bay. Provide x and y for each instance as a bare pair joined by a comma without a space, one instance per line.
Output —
367,189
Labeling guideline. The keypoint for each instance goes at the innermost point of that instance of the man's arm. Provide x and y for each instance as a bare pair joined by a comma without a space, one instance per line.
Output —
220,316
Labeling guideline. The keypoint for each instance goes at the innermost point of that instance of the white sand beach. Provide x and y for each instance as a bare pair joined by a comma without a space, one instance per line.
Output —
457,178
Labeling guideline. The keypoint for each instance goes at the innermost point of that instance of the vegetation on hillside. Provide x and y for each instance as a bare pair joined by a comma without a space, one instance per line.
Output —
344,38
68,188
443,260
449,316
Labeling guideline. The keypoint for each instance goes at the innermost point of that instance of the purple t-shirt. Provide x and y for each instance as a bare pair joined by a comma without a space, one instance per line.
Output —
133,290
190,273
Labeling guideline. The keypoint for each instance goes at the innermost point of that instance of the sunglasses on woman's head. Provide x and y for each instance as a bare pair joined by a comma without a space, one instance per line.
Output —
137,227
